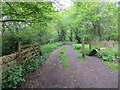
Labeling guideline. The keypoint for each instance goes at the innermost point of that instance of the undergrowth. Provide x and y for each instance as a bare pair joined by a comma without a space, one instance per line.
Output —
109,56
12,76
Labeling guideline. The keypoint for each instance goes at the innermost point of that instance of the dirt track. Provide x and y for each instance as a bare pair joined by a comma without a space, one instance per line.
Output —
91,73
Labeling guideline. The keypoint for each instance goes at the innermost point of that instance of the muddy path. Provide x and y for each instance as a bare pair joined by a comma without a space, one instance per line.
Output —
91,73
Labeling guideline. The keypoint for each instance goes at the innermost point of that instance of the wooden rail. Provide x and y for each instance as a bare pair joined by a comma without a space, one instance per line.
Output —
25,52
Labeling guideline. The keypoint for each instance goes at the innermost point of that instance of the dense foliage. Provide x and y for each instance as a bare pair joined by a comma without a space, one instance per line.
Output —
41,22
25,22
31,22
12,76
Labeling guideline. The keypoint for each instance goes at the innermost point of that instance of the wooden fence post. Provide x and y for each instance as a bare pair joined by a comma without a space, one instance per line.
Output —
19,52
40,52
38,49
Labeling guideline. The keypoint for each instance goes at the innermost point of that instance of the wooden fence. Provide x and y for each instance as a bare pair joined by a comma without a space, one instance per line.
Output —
25,52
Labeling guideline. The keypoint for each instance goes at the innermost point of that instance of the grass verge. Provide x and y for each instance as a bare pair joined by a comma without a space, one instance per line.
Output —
112,65
80,57
63,58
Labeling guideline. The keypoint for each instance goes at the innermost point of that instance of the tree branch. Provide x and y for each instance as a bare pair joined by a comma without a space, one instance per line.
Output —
15,20
11,7
18,14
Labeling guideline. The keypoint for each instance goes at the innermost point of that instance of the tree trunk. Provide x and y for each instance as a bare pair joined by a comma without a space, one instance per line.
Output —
77,36
90,46
3,28
83,48
71,36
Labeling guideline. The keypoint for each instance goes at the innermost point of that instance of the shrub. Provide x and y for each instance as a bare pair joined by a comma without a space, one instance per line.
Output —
25,39
107,54
108,58
31,65
101,54
12,77
10,43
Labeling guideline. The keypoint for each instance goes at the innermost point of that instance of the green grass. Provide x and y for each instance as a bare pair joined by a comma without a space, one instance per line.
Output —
63,58
112,65
48,48
71,76
80,57
78,48
65,64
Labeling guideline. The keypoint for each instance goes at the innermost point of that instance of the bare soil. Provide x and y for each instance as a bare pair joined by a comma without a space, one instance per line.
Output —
91,73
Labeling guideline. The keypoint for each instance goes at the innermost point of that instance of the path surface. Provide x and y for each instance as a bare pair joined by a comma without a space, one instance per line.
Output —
91,73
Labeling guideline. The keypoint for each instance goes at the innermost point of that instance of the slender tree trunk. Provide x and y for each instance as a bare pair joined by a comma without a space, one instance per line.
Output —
17,33
83,48
90,45
3,28
71,36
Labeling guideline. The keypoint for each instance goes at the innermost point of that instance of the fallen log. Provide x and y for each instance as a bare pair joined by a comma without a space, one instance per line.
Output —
95,51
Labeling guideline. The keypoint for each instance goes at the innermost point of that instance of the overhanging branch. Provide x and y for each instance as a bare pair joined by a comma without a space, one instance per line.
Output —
15,21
